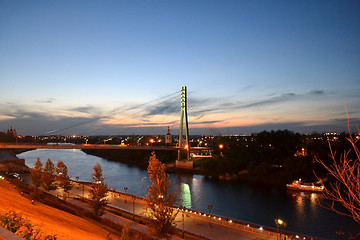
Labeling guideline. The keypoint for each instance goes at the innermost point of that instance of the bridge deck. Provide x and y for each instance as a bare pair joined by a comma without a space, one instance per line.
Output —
89,146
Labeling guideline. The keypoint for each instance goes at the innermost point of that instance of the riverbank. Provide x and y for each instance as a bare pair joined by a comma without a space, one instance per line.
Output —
9,162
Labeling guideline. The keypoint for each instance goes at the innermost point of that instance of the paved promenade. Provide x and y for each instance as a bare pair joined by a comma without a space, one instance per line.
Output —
211,227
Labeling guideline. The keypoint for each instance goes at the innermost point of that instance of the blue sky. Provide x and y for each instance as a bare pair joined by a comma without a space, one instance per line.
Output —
116,67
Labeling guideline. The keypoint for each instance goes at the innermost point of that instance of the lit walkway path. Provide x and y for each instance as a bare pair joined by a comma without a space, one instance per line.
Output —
119,220
193,223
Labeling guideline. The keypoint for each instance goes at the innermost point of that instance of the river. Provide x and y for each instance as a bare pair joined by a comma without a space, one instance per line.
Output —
253,203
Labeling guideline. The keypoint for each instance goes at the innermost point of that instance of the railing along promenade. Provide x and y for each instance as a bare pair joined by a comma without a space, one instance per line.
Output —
251,228
89,146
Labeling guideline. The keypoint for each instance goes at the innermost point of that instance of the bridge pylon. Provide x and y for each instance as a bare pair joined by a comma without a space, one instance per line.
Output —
184,120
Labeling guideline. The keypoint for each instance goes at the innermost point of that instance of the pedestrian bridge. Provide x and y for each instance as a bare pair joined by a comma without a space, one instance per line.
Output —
90,146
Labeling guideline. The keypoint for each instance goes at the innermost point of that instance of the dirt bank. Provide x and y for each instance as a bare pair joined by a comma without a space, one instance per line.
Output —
51,220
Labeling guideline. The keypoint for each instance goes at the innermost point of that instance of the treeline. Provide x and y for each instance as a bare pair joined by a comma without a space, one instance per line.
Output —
277,156
136,157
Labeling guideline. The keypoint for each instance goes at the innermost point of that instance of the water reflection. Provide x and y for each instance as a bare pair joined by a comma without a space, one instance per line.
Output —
185,196
300,204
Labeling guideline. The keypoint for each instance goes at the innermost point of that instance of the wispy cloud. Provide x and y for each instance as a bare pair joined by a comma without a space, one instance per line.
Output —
49,100
164,108
154,115
317,92
6,117
231,104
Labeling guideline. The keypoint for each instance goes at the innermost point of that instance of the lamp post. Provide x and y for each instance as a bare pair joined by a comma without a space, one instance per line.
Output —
125,189
279,223
183,224
133,200
210,207
77,181
221,146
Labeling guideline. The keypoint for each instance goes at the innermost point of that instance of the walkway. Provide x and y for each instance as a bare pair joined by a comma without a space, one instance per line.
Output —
212,227
118,219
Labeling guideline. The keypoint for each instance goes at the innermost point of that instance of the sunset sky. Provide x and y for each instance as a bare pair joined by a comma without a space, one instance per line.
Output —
116,67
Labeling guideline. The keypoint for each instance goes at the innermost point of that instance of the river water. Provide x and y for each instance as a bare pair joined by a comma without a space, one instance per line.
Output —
253,203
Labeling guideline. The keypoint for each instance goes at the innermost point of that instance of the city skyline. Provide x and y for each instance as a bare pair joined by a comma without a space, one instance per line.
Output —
75,68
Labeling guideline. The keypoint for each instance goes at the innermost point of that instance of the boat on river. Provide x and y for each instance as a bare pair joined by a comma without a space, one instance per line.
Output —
300,186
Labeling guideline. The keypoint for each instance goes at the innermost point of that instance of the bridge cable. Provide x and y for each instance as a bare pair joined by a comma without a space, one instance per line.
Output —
101,117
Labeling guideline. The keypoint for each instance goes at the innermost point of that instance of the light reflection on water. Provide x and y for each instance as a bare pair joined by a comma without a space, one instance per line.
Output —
254,203
185,196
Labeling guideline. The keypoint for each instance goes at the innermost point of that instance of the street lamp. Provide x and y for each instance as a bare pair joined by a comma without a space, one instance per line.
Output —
77,181
133,197
279,223
221,146
182,212
210,207
125,189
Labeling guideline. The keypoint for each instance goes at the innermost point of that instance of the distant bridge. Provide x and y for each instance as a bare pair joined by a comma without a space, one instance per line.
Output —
90,146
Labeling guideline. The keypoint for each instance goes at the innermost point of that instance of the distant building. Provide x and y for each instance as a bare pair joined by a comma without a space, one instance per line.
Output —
11,132
9,136
168,138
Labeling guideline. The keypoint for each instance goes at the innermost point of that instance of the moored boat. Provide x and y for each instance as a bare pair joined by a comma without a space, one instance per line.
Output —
299,186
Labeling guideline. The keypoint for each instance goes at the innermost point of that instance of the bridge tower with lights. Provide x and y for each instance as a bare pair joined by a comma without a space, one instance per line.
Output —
184,144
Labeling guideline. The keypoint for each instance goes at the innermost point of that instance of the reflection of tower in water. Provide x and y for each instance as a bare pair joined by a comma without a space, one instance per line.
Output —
184,193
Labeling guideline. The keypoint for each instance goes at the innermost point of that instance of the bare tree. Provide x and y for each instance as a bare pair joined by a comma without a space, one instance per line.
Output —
346,189
161,213
48,176
98,191
63,179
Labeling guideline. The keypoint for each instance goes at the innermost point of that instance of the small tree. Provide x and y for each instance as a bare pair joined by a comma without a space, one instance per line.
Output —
48,176
63,180
161,213
36,173
98,191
